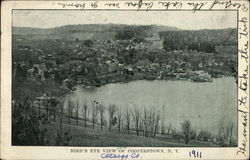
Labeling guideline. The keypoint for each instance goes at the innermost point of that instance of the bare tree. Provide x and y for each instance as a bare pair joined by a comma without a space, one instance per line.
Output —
84,111
119,115
169,128
163,127
136,118
204,135
102,113
156,126
77,111
151,121
229,132
225,133
141,124
70,108
53,107
186,130
94,113
111,111
220,128
127,118
145,117
61,116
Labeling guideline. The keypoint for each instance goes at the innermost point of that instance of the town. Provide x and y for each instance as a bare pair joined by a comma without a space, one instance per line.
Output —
93,63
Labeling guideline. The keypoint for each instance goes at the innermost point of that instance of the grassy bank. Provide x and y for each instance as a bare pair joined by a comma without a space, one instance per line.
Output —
86,136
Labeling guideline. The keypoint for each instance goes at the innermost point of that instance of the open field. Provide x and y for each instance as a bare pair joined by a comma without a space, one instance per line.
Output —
82,136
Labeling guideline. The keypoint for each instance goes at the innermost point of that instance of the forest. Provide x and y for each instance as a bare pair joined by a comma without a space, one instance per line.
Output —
201,40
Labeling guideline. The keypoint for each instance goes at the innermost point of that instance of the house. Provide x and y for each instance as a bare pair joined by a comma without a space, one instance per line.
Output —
201,76
128,70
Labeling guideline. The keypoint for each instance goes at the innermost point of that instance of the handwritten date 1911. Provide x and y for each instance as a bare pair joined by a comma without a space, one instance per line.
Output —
195,154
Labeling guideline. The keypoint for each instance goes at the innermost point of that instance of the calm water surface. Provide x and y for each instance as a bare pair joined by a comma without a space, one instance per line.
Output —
206,104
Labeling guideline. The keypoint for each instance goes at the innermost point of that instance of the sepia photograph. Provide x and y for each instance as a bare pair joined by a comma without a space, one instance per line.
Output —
124,78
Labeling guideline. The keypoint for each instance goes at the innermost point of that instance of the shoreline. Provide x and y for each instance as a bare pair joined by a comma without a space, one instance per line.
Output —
143,79
136,78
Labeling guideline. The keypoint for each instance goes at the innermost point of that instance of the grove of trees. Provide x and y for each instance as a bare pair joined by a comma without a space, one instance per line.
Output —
201,40
31,127
141,121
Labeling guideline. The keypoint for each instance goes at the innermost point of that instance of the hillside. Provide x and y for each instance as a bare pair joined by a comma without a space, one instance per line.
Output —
201,40
172,38
89,31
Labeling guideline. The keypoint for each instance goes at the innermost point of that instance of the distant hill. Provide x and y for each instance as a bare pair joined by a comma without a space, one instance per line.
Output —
89,31
222,36
201,40
173,38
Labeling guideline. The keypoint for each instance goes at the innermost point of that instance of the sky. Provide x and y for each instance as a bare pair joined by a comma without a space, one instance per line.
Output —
180,19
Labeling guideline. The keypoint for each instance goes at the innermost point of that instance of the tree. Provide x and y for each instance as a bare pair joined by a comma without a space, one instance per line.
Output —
88,43
169,128
125,34
168,45
229,132
58,77
61,116
225,133
102,113
77,112
204,135
144,118
127,118
21,72
151,122
94,113
53,106
85,110
27,125
163,128
63,139
186,130
119,115
156,126
193,134
111,111
136,118
70,108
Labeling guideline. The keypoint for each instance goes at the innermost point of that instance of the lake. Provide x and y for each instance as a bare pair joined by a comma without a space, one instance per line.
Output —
206,104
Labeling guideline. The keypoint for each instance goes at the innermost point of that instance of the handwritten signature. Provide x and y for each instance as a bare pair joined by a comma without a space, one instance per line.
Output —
120,156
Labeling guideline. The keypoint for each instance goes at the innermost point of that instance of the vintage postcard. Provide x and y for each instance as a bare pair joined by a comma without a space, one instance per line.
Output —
123,80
